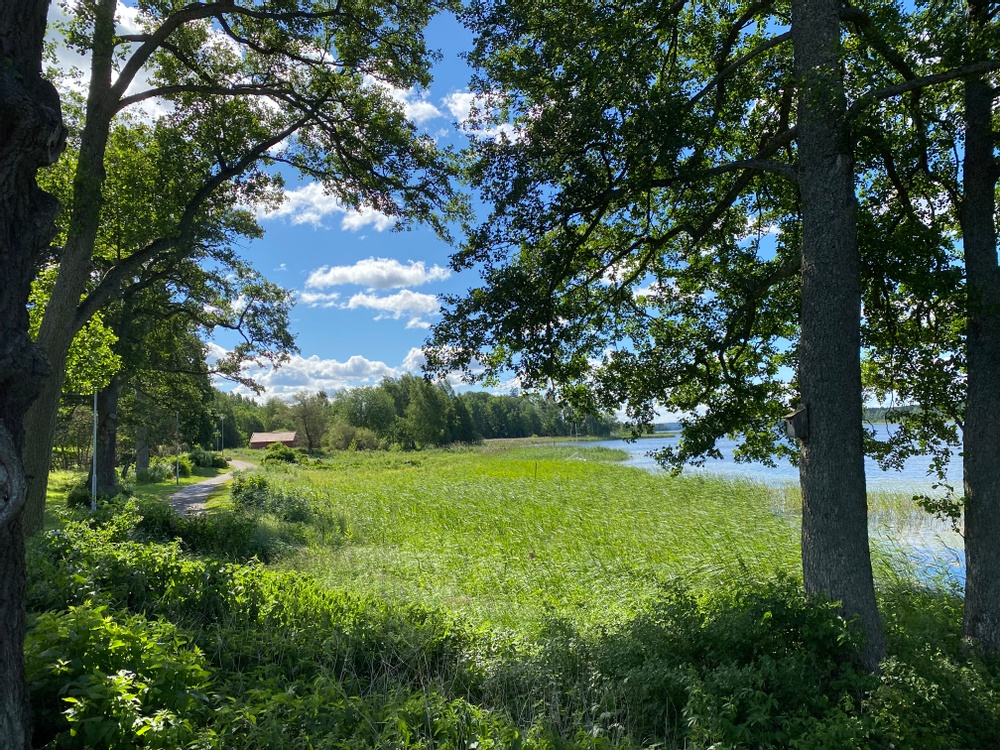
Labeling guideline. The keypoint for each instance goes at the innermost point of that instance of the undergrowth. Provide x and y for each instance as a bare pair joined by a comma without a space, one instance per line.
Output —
148,630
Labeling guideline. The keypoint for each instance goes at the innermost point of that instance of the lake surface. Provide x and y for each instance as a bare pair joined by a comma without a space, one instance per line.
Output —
913,477
934,549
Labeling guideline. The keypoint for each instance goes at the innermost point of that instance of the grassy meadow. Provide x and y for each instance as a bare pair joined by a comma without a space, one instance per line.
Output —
494,597
512,537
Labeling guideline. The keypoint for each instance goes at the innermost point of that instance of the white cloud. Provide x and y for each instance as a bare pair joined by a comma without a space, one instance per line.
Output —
415,105
355,220
377,273
311,204
418,323
464,106
414,360
396,305
312,374
128,19
318,299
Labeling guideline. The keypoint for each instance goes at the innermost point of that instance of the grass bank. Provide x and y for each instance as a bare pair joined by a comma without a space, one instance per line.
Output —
486,598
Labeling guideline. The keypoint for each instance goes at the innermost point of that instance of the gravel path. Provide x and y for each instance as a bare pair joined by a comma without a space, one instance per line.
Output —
192,498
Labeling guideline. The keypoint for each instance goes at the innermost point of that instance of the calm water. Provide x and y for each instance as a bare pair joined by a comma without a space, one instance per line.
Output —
930,544
913,476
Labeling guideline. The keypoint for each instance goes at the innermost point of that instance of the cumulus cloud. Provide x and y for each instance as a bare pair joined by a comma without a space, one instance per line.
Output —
464,106
319,299
414,360
396,305
377,273
311,204
414,102
314,374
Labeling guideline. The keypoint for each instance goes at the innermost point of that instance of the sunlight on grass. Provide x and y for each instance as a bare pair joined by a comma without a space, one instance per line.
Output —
509,538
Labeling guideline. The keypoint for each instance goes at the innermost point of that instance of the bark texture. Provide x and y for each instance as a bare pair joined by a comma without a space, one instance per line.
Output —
107,438
981,436
836,561
62,320
31,136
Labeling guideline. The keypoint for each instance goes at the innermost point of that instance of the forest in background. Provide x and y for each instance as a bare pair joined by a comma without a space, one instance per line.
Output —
404,413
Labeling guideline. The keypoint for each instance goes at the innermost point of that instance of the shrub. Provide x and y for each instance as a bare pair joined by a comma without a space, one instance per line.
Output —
250,492
277,452
102,679
157,472
207,459
78,496
200,457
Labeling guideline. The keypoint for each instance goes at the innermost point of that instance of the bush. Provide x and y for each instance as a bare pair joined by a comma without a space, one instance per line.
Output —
277,452
343,436
156,473
207,459
102,679
200,457
251,493
78,496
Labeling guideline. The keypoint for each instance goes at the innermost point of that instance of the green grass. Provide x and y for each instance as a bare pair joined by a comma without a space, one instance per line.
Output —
494,597
510,537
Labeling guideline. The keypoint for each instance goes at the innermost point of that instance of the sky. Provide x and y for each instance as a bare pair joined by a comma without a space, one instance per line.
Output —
365,295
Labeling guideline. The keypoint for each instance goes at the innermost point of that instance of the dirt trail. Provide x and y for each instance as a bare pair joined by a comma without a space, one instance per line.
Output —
192,498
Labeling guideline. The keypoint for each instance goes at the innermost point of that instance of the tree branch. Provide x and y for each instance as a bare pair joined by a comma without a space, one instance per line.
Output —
973,69
738,63
109,285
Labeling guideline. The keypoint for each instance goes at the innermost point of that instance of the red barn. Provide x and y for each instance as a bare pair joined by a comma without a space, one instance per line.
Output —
260,440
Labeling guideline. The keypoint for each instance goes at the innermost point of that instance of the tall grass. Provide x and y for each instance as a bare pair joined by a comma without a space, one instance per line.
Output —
510,538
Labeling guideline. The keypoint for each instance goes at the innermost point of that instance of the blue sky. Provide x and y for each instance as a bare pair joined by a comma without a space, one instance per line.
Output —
366,295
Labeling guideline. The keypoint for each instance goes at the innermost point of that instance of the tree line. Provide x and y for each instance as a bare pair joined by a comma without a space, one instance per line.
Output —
407,412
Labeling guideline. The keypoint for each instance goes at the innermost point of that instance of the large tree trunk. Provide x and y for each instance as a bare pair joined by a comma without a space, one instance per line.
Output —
31,136
40,428
836,561
981,436
61,321
107,439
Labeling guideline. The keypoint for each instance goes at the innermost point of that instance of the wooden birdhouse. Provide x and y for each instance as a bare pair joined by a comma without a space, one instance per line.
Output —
797,423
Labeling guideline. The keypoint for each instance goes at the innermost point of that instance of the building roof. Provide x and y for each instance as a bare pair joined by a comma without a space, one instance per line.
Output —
272,437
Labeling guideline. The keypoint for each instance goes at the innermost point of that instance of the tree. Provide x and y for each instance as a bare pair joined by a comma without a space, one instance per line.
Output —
642,153
302,85
939,344
33,137
312,414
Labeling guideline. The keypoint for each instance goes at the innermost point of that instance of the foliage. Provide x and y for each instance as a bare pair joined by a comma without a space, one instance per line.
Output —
78,496
92,359
266,658
165,468
200,457
311,414
281,453
121,680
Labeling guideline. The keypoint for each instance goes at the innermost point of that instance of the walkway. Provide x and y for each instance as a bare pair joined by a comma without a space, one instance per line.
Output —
192,498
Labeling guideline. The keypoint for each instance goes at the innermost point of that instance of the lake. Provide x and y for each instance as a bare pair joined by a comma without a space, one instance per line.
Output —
913,477
932,545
